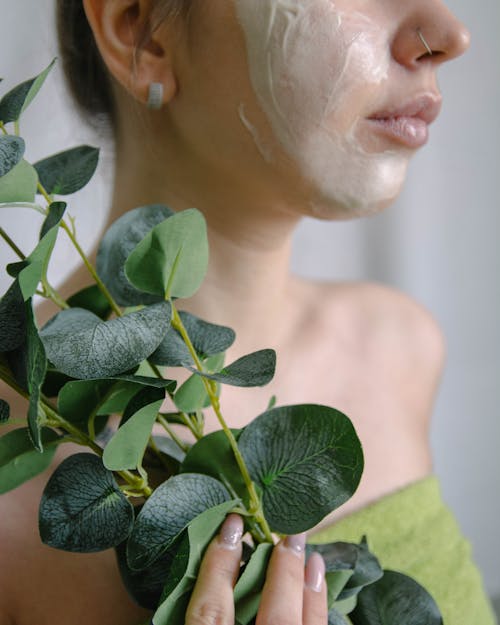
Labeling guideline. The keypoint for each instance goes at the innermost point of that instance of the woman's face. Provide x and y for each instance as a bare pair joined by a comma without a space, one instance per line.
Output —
340,92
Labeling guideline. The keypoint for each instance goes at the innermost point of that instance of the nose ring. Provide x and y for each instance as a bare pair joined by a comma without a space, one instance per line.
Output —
424,42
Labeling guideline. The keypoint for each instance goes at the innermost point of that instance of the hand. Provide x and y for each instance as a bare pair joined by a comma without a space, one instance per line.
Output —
292,595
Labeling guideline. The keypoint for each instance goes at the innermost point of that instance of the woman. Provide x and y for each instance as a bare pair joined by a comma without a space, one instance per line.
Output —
259,112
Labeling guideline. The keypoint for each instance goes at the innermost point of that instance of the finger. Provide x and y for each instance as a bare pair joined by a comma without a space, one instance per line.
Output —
315,608
212,598
283,590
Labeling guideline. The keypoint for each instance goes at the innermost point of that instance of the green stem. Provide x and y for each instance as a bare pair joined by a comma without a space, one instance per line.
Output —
102,287
161,419
11,244
255,504
3,129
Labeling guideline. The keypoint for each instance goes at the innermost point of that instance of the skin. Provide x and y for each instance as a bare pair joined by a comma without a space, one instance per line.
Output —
363,348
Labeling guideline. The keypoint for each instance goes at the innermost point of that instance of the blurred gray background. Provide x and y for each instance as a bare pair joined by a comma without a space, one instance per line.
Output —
438,243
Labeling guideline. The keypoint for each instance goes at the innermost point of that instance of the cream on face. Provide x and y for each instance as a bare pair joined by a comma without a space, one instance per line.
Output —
311,66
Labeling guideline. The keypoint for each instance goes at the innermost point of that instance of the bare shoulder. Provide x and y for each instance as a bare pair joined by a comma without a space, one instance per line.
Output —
379,316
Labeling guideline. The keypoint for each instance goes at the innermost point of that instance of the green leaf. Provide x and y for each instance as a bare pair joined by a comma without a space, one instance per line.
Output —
11,152
393,600
172,259
189,552
12,319
19,185
248,589
69,171
78,399
83,346
167,446
335,618
256,369
214,456
20,461
357,560
82,508
36,367
172,506
119,240
192,395
38,261
4,411
91,298
145,586
128,444
306,459
14,269
208,339
20,97
55,214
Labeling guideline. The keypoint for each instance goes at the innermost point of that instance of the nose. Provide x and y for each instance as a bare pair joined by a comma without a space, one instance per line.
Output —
432,28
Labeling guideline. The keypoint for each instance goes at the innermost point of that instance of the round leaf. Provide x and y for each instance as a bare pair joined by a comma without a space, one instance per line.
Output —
213,455
172,259
396,599
69,171
11,152
119,240
189,550
82,508
20,461
19,185
91,298
172,506
208,339
83,346
306,459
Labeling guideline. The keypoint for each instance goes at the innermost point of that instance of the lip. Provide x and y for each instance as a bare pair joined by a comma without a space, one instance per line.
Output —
409,123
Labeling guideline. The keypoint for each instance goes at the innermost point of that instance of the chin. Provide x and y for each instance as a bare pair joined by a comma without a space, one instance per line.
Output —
367,196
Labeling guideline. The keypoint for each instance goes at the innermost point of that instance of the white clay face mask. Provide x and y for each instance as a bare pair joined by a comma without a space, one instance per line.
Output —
308,62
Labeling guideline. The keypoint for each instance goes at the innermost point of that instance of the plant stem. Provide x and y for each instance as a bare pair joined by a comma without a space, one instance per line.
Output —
3,129
255,504
161,419
102,287
11,244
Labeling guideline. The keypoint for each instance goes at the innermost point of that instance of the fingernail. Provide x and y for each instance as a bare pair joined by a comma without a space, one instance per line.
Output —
315,572
231,531
296,543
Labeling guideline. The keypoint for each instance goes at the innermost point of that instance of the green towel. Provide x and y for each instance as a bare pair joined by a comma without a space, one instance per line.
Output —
412,531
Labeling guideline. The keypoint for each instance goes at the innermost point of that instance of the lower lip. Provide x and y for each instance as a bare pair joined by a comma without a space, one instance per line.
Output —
411,131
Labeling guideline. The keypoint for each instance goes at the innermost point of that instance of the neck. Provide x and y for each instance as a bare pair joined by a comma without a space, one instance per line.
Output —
247,284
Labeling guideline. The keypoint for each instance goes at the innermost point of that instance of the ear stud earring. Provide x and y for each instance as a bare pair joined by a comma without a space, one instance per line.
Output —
155,96
424,42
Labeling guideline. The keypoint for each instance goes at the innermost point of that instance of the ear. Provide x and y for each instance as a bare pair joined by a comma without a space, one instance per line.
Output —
118,26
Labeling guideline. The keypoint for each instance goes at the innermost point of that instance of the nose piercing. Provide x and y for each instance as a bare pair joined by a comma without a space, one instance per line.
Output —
155,96
426,45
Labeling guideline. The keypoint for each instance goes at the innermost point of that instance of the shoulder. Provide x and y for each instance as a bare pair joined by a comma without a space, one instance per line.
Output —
380,324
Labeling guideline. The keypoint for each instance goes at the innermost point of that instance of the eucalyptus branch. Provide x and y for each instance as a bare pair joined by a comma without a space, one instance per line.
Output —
102,287
137,483
255,503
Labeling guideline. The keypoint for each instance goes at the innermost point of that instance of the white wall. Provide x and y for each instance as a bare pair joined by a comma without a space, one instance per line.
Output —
439,243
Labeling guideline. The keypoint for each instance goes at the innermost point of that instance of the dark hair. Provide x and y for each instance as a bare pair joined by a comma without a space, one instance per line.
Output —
85,72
